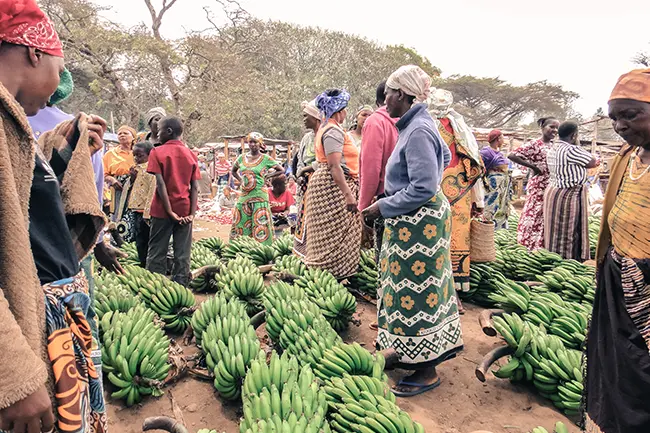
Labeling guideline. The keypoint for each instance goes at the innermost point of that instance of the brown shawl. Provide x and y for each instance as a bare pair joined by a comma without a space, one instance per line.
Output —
23,364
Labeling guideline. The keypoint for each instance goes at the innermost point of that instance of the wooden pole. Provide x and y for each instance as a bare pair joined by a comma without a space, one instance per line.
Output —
242,146
289,144
226,147
595,139
273,152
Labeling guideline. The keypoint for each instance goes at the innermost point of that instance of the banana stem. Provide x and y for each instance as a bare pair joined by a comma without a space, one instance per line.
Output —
163,423
485,321
490,359
258,319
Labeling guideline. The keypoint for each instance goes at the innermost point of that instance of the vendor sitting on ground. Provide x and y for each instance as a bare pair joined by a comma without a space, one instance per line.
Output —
280,200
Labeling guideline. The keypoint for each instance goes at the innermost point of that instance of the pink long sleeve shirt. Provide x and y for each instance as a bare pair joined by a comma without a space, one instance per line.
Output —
379,138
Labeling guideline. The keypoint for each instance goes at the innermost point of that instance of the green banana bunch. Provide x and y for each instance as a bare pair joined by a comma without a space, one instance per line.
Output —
359,405
266,394
283,301
559,428
289,264
238,245
134,354
214,244
131,252
511,296
594,233
293,425
261,254
283,245
308,342
350,359
212,309
517,263
555,370
202,256
505,238
573,280
366,280
230,344
248,288
240,264
111,295
337,304
483,281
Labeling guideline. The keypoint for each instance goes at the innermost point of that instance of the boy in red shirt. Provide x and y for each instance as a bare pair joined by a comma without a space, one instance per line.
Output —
173,207
280,199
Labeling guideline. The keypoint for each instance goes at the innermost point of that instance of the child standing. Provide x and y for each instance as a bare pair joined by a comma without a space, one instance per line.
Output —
172,211
140,195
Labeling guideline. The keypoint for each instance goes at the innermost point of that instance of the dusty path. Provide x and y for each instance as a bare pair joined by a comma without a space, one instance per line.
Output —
461,404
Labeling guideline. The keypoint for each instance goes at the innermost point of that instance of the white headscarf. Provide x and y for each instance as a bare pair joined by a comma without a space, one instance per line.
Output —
440,102
411,80
311,109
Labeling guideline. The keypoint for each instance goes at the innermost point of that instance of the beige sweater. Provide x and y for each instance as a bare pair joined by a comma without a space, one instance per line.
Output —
23,364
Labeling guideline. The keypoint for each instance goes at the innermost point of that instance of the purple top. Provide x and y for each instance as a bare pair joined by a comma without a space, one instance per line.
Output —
46,120
492,158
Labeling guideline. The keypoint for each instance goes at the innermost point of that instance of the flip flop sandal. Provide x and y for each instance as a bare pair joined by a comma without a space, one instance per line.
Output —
420,388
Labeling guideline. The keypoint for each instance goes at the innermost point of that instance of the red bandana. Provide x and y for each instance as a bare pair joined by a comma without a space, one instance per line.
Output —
22,22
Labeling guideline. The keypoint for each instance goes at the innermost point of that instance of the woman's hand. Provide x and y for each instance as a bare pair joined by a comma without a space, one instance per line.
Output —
33,414
351,204
371,213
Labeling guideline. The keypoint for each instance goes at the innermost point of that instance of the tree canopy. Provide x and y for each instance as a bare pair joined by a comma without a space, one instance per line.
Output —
243,74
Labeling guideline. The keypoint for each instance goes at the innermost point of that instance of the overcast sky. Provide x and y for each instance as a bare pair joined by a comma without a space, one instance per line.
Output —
582,44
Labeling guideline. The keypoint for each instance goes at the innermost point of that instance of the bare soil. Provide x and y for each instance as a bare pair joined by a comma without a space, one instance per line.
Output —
461,404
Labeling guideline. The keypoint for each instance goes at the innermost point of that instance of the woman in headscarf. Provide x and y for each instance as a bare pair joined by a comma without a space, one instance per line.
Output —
617,385
359,120
530,232
152,118
117,166
419,324
496,181
460,182
49,220
332,217
302,167
252,216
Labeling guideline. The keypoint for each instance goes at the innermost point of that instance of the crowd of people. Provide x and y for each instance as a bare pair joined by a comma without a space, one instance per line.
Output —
409,176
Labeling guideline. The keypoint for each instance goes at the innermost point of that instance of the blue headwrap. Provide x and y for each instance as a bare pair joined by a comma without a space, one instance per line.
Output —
329,105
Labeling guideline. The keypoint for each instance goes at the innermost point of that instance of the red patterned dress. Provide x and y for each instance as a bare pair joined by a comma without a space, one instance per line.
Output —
530,232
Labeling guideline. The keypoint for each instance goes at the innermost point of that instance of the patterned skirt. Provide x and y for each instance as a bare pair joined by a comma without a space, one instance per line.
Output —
497,199
75,357
333,232
566,222
617,384
300,235
417,310
252,217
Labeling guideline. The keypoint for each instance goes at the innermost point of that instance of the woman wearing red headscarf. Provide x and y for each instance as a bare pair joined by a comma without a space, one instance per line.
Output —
49,220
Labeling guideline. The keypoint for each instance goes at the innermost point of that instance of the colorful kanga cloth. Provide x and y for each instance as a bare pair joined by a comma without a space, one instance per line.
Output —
566,222
252,215
458,180
530,232
497,198
75,357
417,309
300,234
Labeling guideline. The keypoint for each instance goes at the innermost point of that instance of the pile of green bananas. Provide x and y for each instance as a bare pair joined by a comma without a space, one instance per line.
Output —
214,244
227,272
131,252
281,394
505,238
559,428
511,296
483,281
134,354
230,344
261,254
173,302
337,304
517,263
350,359
543,359
573,281
366,280
213,309
594,232
237,246
366,405
111,295
285,301
283,245
249,289
202,256
289,264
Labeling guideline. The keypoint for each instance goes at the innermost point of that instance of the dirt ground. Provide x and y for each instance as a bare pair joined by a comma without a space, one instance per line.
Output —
461,404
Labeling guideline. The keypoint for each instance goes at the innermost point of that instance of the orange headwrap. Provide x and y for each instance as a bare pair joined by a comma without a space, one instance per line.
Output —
633,85
133,132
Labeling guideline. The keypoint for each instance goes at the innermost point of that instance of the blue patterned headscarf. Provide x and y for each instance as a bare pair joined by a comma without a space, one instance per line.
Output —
329,105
